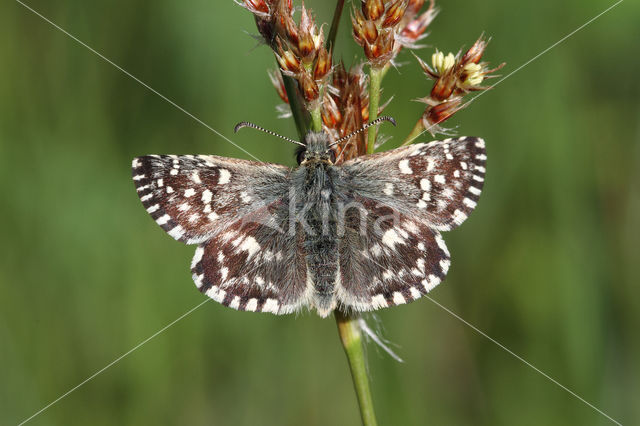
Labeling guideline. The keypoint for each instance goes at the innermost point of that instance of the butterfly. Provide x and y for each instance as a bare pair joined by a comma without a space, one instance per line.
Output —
357,236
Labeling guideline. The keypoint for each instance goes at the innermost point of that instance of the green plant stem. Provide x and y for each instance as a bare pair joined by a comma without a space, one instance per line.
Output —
300,114
337,13
418,129
375,79
316,119
351,338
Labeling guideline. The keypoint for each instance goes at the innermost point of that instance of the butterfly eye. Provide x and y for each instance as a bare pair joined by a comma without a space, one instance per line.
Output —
332,155
300,155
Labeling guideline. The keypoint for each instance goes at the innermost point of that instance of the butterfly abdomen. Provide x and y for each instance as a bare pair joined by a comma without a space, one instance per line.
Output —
321,242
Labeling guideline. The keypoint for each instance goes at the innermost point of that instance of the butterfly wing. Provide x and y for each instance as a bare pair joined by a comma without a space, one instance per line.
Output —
387,258
256,264
193,197
439,182
391,251
237,211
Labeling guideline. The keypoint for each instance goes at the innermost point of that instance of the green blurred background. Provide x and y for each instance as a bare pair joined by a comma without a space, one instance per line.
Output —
547,265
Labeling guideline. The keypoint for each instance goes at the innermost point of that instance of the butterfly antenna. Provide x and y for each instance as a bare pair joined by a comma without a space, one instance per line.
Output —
365,127
255,126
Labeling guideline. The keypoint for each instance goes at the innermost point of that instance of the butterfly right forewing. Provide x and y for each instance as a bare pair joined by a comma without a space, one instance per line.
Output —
439,182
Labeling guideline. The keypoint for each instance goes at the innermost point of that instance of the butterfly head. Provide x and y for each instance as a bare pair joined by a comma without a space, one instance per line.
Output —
316,150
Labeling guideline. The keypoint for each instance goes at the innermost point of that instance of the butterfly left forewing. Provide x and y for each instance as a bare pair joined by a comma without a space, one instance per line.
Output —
193,197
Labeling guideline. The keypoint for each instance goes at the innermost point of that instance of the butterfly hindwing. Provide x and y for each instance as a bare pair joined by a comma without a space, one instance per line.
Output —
439,182
255,264
192,197
387,258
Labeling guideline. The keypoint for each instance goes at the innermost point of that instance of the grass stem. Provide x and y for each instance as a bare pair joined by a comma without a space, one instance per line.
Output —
351,337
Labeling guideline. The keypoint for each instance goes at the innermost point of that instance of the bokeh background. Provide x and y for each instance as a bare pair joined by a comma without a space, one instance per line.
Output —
547,265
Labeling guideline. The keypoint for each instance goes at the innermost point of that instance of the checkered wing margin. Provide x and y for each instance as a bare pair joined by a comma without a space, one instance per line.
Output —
236,211
437,182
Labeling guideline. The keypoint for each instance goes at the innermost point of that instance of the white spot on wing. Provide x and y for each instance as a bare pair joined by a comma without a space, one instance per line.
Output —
246,198
398,298
250,245
442,245
270,305
176,232
163,219
189,192
391,238
225,175
197,257
252,305
425,185
388,188
444,264
404,167
430,282
469,203
474,190
415,293
216,294
459,217
153,208
235,303
439,179
378,301
198,279
206,196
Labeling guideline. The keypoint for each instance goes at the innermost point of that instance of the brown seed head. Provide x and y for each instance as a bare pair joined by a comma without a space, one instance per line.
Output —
373,9
394,13
433,115
309,89
322,65
276,79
